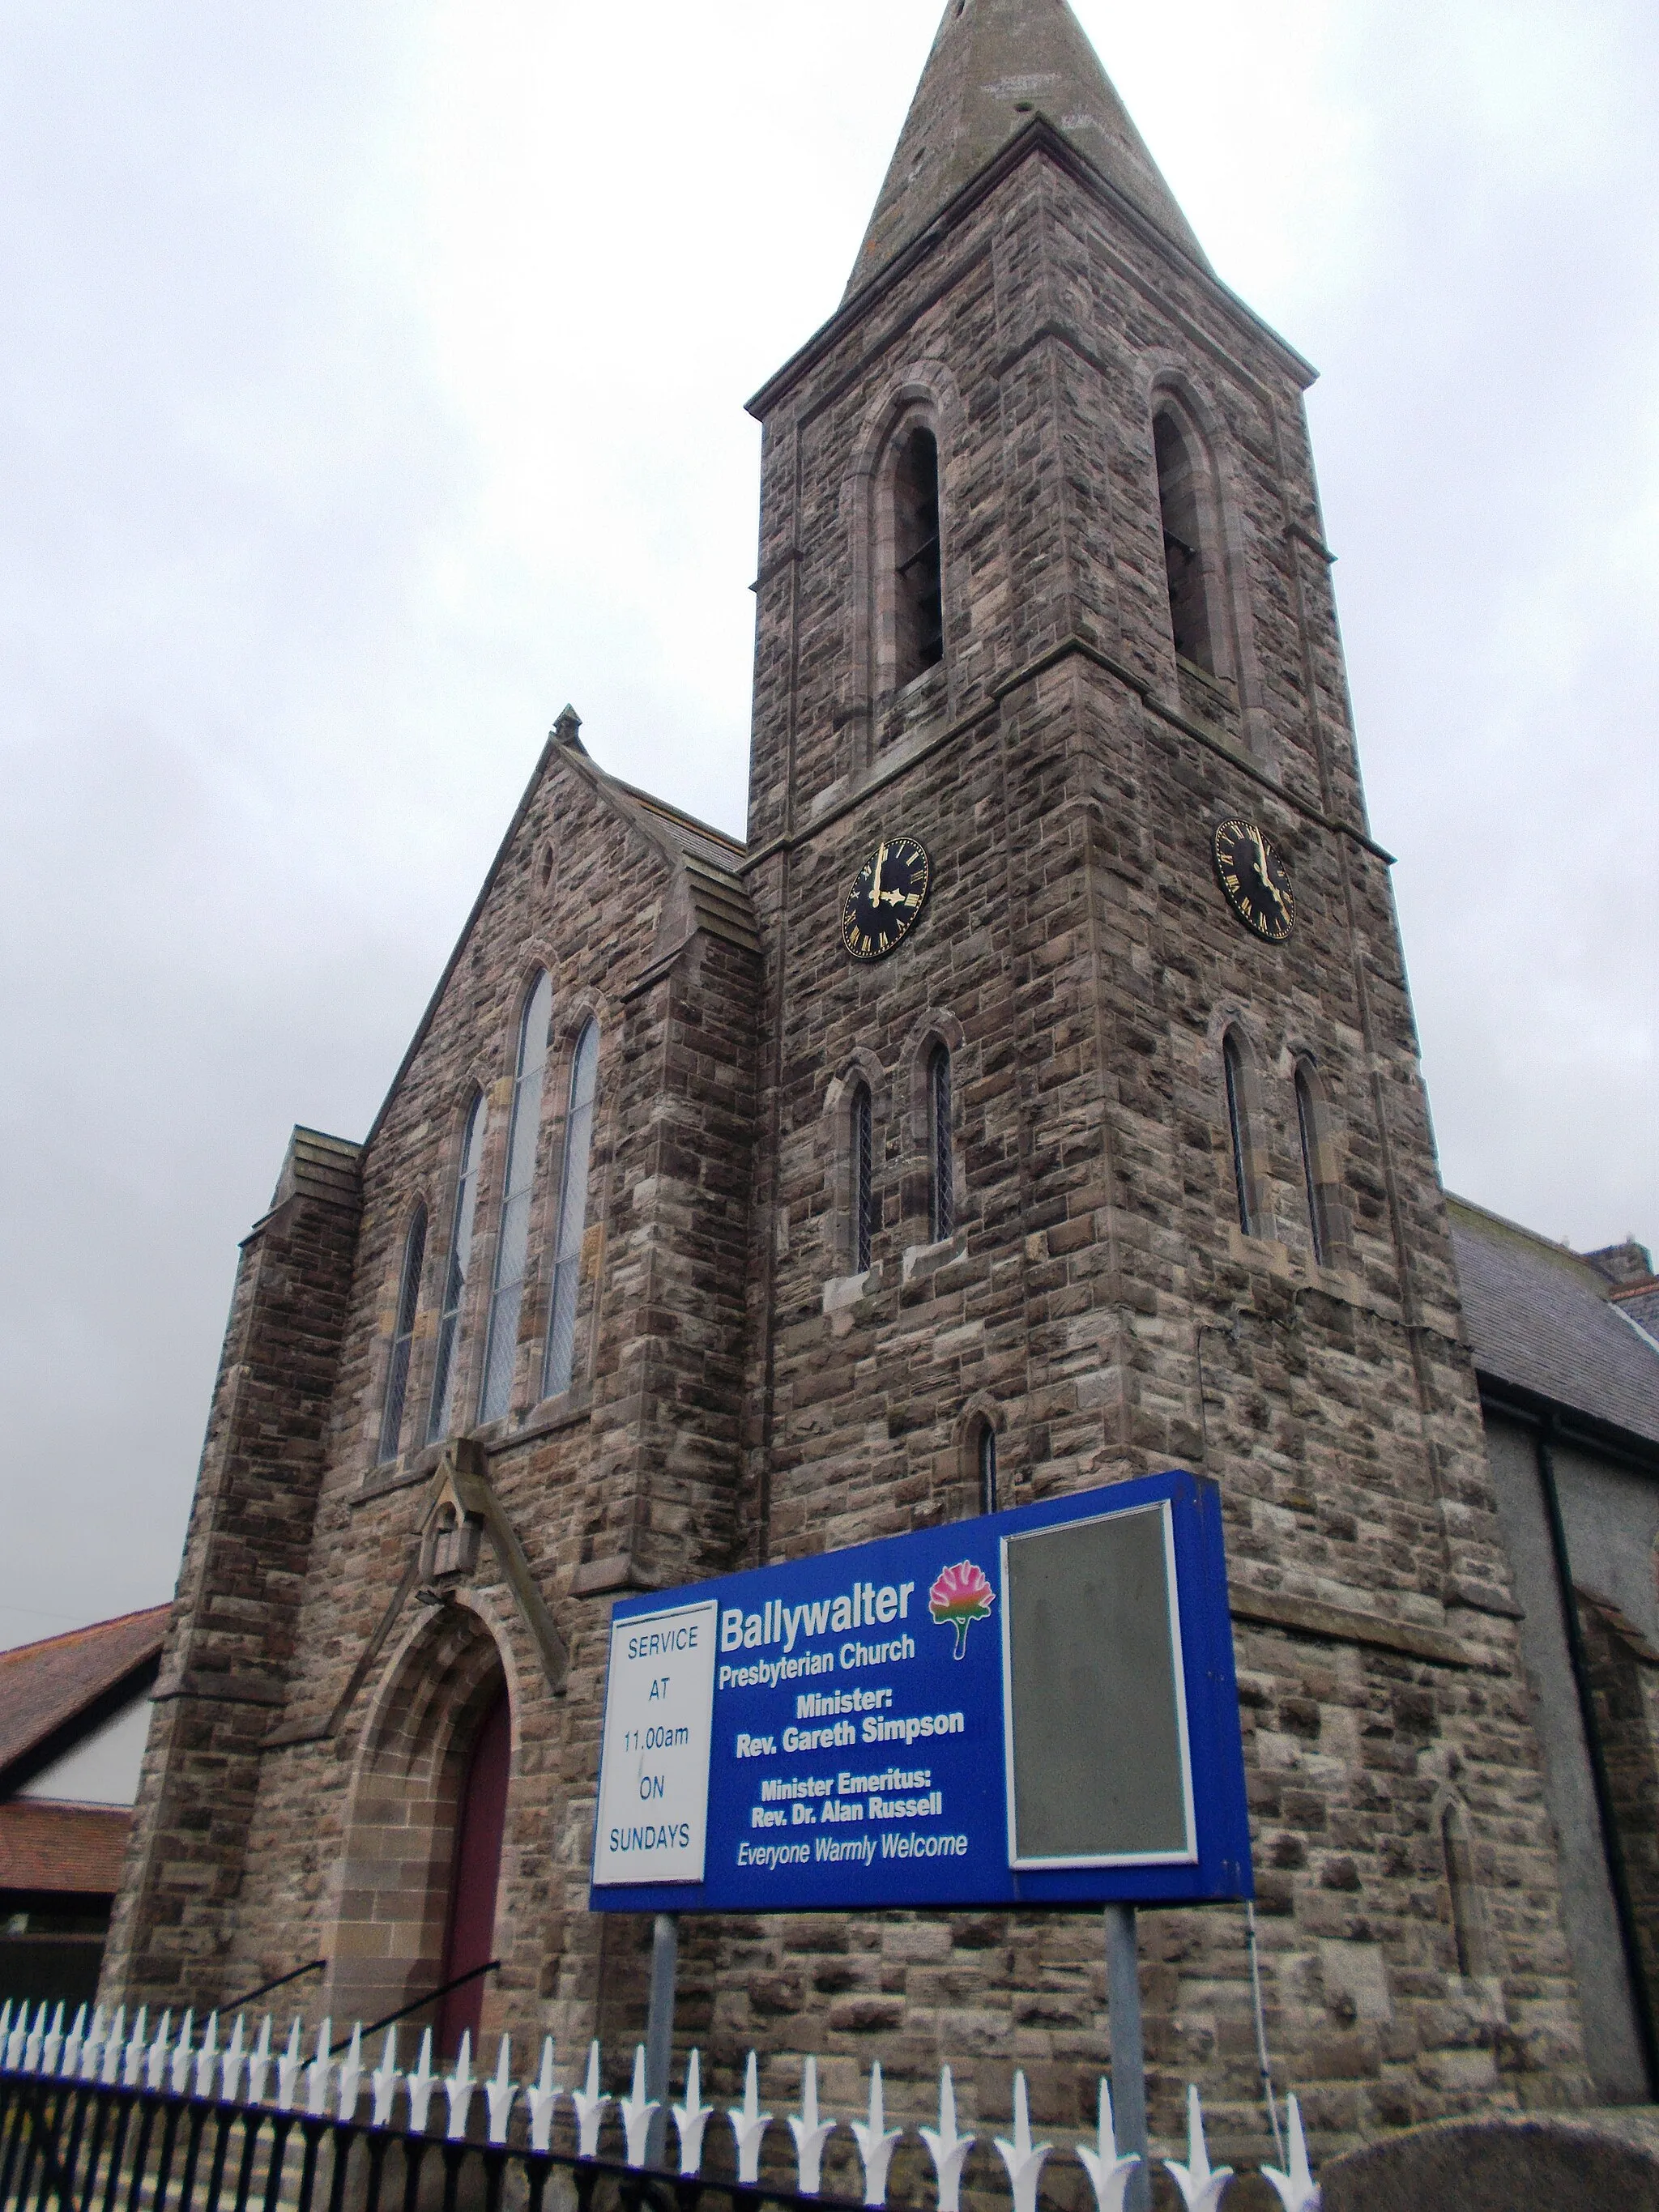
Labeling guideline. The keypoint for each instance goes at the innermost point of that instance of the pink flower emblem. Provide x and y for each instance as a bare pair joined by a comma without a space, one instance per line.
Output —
962,1595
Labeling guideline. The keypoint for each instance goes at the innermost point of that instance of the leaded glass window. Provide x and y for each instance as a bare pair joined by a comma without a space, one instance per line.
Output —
572,1214
513,1241
460,1254
1232,1061
987,1468
863,1180
1308,1125
409,1294
942,1180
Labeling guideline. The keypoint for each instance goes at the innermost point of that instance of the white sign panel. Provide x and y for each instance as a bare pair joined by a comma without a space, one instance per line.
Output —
658,1733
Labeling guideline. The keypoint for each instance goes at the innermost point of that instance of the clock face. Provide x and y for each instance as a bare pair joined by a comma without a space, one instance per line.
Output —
885,900
1254,880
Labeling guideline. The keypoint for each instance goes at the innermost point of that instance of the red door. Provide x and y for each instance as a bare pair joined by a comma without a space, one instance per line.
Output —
476,1875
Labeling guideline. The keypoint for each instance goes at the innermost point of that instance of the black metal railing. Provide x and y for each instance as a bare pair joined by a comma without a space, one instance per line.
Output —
71,2146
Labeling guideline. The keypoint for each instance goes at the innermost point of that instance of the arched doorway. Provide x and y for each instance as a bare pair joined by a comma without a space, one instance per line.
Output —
475,1877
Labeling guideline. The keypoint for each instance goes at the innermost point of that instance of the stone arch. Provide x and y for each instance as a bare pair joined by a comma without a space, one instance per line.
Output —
1450,1820
404,1801
983,1416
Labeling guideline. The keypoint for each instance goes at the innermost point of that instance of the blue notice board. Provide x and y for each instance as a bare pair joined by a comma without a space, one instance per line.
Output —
1035,1707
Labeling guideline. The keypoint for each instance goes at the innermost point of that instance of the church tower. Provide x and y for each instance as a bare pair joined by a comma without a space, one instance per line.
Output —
1031,1102
1120,1157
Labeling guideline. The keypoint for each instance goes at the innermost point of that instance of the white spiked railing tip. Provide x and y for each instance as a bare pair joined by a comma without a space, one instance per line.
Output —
350,2082
287,2070
590,2103
132,2058
638,2111
114,2049
418,2085
260,2064
948,2150
502,2093
1295,2189
1022,2158
184,2053
875,2141
318,2073
1109,2174
749,2123
383,2080
156,2058
51,2049
543,2097
458,2089
230,2067
1200,2184
74,2043
207,2059
811,2132
691,2117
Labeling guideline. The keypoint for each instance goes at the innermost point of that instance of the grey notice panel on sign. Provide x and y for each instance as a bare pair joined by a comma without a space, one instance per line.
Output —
1098,1762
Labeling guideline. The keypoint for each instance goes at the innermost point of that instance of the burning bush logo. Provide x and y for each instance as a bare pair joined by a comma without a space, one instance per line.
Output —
961,1596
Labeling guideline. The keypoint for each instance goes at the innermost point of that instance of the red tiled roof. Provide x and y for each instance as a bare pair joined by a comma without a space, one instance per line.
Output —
43,1686
62,1847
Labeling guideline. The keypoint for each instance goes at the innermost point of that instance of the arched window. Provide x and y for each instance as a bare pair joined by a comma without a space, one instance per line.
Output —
987,1468
501,1345
409,1296
863,1214
460,1253
942,1195
1239,1128
919,607
561,1361
1182,508
1308,1126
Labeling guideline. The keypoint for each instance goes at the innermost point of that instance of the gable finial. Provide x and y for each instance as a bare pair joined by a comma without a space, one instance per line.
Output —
567,729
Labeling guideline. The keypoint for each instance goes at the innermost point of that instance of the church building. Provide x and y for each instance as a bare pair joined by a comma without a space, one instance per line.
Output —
1032,1101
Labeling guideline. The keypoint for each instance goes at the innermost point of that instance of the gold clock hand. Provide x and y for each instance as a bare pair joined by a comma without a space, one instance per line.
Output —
1267,883
875,884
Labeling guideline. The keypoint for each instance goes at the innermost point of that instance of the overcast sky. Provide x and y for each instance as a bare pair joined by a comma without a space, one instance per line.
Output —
372,383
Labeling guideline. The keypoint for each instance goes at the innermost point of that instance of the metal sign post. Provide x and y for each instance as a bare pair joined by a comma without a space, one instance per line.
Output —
659,2029
1129,2052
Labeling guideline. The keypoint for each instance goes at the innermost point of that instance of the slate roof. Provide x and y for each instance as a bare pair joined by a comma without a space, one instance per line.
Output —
1540,1319
75,1850
994,64
46,1688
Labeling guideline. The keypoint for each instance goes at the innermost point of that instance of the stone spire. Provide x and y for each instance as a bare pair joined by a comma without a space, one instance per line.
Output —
994,64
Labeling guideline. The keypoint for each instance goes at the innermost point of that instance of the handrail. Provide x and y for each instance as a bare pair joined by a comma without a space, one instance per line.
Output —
235,2004
427,1997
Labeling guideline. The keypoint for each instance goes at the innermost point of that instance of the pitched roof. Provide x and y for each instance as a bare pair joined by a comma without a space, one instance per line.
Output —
1541,1318
994,64
46,1688
71,1849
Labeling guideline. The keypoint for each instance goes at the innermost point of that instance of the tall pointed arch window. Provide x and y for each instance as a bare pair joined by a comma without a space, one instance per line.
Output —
918,597
1181,511
455,1270
1239,1128
987,1468
560,1362
409,1296
1308,1128
941,1187
512,1243
860,1132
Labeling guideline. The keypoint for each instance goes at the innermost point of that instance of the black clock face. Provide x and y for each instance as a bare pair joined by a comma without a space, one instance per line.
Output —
885,900
1254,880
